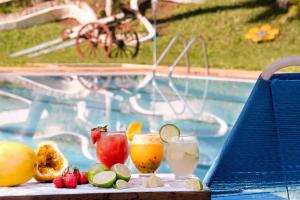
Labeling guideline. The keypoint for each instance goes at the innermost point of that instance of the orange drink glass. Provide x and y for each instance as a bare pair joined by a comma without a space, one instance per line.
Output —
147,152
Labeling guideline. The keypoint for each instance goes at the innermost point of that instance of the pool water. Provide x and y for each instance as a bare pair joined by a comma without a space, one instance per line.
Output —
63,108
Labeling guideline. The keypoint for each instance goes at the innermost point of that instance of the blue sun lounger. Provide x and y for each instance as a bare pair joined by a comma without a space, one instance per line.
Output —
263,148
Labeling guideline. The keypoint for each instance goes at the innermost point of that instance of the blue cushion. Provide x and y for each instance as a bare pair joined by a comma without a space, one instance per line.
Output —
262,149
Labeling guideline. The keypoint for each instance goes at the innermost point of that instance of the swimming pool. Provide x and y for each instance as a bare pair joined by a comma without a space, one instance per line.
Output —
64,107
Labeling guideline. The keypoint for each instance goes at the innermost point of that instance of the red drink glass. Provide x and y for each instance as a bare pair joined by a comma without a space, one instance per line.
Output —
112,148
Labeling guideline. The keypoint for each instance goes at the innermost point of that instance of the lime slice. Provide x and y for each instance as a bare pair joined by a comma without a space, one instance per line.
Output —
133,129
168,131
154,181
105,179
194,184
93,170
121,184
122,171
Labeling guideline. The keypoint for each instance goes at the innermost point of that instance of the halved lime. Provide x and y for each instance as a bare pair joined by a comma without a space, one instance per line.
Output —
194,184
154,181
93,170
122,171
121,184
168,131
105,179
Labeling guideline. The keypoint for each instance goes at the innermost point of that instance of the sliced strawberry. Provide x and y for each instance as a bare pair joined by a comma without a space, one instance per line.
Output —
96,133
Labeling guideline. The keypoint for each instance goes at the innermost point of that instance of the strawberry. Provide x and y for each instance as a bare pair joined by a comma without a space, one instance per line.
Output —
59,182
73,171
83,178
70,181
96,133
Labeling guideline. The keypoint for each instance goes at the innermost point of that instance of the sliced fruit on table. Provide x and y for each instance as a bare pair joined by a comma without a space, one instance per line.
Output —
194,184
96,133
134,128
105,179
94,169
154,181
121,184
50,162
122,171
169,131
17,163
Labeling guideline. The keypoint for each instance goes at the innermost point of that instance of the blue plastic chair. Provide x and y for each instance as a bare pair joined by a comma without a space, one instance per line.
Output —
263,148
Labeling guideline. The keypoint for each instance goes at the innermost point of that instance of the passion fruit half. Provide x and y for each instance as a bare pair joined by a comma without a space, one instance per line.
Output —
51,162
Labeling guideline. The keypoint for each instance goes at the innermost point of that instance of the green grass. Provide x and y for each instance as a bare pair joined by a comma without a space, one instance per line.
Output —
13,6
222,23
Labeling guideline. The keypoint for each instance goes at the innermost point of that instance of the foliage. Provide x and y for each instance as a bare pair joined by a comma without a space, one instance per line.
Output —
13,6
221,22
293,12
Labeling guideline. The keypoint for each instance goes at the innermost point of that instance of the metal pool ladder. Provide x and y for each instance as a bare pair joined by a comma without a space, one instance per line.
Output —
184,52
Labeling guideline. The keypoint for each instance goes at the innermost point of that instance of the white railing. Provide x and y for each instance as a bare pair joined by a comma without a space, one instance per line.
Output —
182,98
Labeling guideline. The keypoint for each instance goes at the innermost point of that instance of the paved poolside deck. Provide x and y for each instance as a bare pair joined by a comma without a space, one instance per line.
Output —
129,68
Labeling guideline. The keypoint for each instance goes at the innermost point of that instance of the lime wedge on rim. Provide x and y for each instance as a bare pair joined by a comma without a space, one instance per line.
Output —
105,179
121,184
168,131
194,184
122,171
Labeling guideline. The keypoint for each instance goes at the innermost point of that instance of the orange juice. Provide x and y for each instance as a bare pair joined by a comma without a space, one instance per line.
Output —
146,152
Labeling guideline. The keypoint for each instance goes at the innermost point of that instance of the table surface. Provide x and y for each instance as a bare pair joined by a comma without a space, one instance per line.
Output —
173,190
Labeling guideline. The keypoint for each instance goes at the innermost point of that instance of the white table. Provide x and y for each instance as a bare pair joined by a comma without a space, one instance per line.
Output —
173,190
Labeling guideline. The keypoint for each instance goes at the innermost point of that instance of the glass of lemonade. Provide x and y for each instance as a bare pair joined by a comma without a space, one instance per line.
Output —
182,155
146,152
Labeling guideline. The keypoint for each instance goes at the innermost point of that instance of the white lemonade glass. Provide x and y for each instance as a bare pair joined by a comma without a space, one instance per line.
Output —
182,155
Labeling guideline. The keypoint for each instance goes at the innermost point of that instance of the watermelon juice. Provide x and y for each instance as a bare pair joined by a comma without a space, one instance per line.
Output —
112,148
